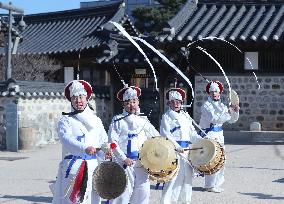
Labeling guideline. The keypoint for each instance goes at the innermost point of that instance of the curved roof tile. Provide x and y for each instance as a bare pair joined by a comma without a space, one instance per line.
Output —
67,31
273,23
40,89
230,20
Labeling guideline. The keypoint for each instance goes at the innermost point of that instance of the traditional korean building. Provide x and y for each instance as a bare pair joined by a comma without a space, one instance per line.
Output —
234,31
257,29
78,39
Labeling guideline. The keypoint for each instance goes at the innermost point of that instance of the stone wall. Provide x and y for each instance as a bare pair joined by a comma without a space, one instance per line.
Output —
264,105
41,114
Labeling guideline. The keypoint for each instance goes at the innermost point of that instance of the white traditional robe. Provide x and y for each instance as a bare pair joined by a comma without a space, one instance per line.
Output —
129,132
213,115
76,133
177,126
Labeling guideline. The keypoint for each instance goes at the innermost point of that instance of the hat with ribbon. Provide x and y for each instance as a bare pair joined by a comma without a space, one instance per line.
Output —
216,86
175,94
128,93
78,87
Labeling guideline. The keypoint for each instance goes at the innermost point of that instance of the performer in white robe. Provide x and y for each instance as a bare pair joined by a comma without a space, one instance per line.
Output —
176,125
129,131
213,114
81,133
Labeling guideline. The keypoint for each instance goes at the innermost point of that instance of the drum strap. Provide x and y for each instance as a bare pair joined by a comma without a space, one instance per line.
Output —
79,138
118,119
131,154
157,187
174,129
183,144
211,128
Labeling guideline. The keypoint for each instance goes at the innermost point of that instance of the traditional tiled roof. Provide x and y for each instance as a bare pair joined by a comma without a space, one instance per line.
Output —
230,20
71,30
31,88
34,89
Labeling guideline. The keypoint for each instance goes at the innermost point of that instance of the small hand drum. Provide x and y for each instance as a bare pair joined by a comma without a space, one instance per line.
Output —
234,98
210,158
158,156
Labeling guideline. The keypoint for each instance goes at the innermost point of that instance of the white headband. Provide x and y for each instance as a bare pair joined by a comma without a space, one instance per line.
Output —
214,87
129,94
175,95
77,89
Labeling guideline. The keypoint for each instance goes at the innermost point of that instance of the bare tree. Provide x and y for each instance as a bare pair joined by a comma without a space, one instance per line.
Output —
31,67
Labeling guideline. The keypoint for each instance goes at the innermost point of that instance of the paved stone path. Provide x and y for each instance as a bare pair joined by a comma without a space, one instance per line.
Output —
254,174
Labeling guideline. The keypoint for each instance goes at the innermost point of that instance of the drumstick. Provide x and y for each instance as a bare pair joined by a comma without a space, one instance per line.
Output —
187,149
188,162
111,146
196,148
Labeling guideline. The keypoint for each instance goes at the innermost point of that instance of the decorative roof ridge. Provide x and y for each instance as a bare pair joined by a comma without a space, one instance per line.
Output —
18,88
50,94
28,94
66,14
118,17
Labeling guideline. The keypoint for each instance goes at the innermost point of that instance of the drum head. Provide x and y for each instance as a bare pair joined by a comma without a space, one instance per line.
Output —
109,180
202,156
158,154
234,98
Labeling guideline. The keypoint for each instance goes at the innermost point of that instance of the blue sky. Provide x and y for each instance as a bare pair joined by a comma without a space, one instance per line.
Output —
42,6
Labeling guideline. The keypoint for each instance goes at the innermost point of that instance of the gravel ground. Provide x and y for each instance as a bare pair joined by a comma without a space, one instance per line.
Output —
254,174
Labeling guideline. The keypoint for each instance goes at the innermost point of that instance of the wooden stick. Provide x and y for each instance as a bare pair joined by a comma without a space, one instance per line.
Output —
188,149
192,148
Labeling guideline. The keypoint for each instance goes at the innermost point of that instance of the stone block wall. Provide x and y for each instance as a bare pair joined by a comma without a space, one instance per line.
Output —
264,105
42,115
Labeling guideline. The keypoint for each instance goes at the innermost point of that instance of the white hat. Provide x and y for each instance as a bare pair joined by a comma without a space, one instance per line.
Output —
78,87
214,87
174,95
128,93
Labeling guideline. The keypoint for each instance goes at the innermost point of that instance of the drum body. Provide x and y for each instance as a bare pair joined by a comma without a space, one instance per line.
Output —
109,180
158,156
210,158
